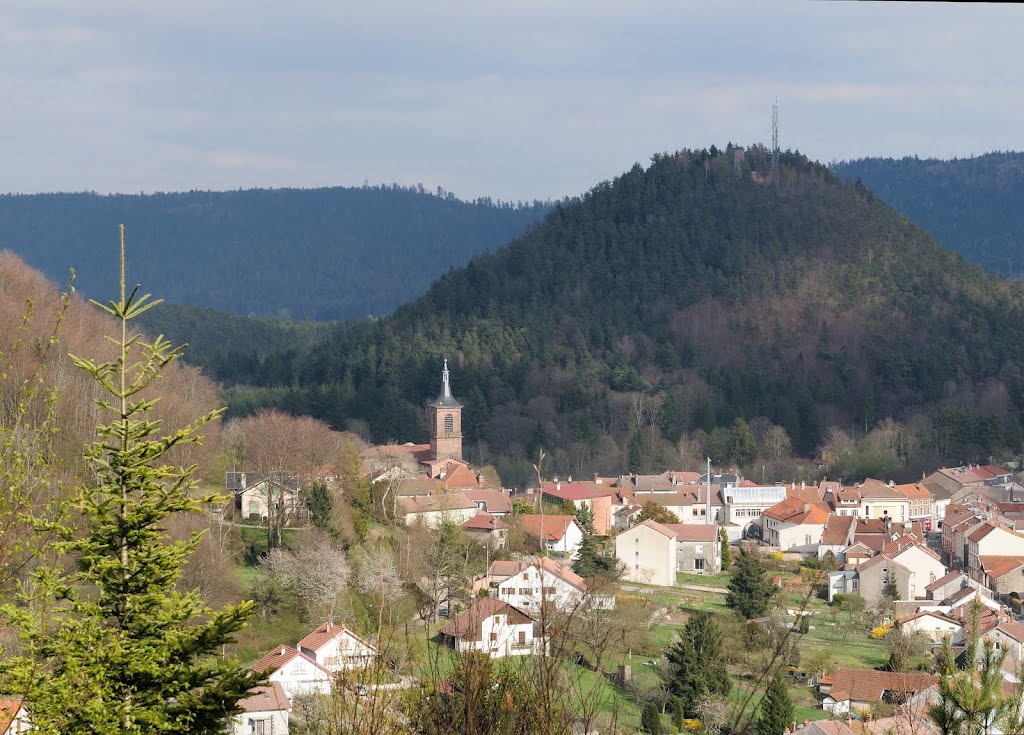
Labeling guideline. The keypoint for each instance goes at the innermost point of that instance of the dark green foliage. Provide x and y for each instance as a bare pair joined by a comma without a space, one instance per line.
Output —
650,719
585,517
723,535
750,589
320,505
889,589
826,305
776,711
972,205
696,663
109,644
329,253
592,560
742,444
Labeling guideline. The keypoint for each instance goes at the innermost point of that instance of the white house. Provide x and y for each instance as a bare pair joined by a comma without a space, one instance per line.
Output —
744,505
648,554
437,509
556,532
989,539
256,492
494,627
13,718
934,625
296,672
336,648
264,712
544,582
856,690
795,524
923,563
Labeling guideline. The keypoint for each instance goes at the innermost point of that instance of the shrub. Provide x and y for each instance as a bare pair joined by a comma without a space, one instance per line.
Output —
880,632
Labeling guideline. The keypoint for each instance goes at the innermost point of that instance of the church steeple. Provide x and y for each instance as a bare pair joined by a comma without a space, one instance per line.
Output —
445,421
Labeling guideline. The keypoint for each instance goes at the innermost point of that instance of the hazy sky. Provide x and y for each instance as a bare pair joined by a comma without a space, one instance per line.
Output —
516,100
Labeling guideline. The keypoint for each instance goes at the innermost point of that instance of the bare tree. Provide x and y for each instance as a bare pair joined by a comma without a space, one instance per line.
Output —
377,576
317,570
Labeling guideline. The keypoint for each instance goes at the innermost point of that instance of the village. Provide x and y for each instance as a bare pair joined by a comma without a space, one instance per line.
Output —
854,568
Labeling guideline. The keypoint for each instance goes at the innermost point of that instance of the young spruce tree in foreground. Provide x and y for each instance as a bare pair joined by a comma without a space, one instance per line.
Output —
750,589
112,646
776,711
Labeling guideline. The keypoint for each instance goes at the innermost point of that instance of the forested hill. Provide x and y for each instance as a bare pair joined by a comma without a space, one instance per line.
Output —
972,205
671,301
305,254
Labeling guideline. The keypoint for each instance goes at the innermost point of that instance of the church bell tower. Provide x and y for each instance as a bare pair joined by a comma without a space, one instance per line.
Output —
445,422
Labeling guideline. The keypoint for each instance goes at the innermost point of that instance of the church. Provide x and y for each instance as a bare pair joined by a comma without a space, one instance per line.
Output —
445,422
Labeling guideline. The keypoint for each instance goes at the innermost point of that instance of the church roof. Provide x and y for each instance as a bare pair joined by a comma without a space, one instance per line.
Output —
446,399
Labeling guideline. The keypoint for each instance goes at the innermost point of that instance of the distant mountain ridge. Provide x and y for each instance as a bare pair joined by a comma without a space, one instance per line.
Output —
973,205
678,297
319,254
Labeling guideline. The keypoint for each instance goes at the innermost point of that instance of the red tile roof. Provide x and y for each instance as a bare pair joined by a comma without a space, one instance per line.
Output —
9,709
797,510
579,491
914,491
435,503
997,566
496,501
694,532
867,685
280,656
269,698
468,624
837,530
546,527
325,634
943,581
485,522
664,530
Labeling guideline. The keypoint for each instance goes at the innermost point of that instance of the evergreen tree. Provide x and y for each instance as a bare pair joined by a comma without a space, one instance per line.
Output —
111,646
696,663
750,589
650,719
320,505
592,561
723,535
635,452
585,517
890,590
776,710
742,443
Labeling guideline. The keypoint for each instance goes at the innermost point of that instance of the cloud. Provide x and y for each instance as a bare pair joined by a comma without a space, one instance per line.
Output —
517,100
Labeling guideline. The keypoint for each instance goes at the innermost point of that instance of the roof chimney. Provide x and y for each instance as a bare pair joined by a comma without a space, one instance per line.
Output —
569,478
597,480
283,649
807,507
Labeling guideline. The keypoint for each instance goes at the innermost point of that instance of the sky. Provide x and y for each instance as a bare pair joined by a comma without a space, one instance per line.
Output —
514,100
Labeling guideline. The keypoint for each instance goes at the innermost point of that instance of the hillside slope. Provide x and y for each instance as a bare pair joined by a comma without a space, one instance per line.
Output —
306,254
973,205
676,298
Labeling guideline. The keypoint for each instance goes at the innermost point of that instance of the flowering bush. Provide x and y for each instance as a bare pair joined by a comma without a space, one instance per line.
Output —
880,632
691,725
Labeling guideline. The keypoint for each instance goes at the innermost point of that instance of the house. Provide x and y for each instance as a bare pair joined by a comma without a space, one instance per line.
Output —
501,570
960,523
264,712
256,493
545,582
923,563
626,516
648,553
795,524
487,530
934,625
745,504
436,510
596,496
699,547
336,648
856,690
1002,574
990,539
836,536
493,627
945,586
555,532
296,672
882,501
921,503
489,500
13,718
1009,637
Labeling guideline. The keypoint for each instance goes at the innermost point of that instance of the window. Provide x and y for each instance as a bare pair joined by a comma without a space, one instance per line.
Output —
522,638
494,637
258,727
698,565
698,549
449,424
855,584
